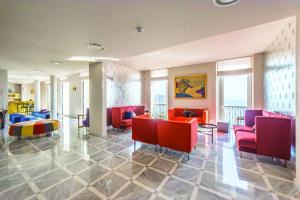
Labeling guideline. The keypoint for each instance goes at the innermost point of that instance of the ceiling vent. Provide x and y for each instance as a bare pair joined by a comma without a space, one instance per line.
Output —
223,3
95,46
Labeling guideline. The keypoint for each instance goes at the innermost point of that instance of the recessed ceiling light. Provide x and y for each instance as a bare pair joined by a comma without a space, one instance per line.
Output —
53,62
223,3
95,46
91,59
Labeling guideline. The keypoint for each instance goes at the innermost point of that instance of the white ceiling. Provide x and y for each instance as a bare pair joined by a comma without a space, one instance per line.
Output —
36,32
245,42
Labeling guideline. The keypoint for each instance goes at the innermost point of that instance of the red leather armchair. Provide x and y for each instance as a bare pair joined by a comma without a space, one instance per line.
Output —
176,114
118,120
144,129
181,136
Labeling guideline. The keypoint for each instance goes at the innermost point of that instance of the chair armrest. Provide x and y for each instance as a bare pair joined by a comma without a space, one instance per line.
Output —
273,136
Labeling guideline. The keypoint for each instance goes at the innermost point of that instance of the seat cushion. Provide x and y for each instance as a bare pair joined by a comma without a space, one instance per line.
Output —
180,118
237,128
126,122
246,140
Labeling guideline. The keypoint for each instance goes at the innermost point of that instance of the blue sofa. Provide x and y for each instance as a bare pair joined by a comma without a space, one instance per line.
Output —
43,115
16,117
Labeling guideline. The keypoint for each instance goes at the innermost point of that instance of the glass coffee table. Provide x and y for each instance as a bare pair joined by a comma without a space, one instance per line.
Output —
208,129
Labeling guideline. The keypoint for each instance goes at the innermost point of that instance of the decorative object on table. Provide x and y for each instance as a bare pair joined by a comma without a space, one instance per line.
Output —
208,129
222,127
33,128
191,87
3,118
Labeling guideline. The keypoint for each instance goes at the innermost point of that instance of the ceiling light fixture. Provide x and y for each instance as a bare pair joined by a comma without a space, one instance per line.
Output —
91,58
53,62
95,46
223,3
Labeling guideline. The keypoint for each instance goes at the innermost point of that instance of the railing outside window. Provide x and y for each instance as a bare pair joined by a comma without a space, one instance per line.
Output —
234,115
159,109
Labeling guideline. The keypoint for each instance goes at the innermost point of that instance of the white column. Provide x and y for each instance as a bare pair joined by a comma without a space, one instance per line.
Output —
297,179
146,92
97,92
59,96
3,89
37,95
53,96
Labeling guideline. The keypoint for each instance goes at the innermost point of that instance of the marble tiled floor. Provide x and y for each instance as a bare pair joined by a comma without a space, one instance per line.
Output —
70,165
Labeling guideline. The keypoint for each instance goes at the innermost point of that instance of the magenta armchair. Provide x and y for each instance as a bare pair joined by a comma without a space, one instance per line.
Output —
265,133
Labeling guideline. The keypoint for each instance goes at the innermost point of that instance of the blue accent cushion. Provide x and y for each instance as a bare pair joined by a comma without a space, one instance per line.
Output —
128,115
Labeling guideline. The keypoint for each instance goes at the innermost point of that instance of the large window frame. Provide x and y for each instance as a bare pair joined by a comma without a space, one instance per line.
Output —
156,76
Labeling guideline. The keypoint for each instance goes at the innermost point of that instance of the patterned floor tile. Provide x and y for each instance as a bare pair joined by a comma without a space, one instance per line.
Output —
177,189
109,184
63,190
150,178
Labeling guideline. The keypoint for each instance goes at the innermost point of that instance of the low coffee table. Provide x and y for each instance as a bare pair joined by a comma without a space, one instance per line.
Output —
209,130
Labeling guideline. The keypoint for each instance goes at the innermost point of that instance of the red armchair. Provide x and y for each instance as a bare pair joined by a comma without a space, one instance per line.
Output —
144,129
118,120
176,114
272,136
181,136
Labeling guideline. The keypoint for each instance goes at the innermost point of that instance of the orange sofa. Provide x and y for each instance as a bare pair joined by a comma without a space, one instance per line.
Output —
176,114
180,136
144,129
177,135
117,115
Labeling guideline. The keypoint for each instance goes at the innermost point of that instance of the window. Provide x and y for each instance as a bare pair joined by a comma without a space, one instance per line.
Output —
85,95
235,90
159,97
159,73
234,77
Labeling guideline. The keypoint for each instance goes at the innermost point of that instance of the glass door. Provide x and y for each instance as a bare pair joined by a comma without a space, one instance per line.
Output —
236,97
159,98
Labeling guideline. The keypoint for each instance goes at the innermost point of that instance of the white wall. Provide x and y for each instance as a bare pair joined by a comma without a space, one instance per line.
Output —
257,81
210,102
28,91
75,95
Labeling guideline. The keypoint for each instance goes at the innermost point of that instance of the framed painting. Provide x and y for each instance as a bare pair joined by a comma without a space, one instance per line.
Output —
191,87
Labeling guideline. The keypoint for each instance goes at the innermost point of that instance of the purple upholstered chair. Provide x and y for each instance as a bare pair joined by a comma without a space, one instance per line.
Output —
86,121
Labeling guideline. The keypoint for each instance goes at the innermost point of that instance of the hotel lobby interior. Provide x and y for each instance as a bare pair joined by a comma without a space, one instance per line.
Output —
150,100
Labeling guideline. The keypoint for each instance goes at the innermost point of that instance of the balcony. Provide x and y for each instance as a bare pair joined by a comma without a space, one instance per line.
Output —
234,115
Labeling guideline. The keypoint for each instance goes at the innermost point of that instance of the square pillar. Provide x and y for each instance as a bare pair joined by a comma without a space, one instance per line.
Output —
37,95
3,89
53,97
97,92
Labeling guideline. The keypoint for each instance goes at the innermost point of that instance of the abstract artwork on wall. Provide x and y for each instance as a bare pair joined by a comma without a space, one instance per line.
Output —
191,87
